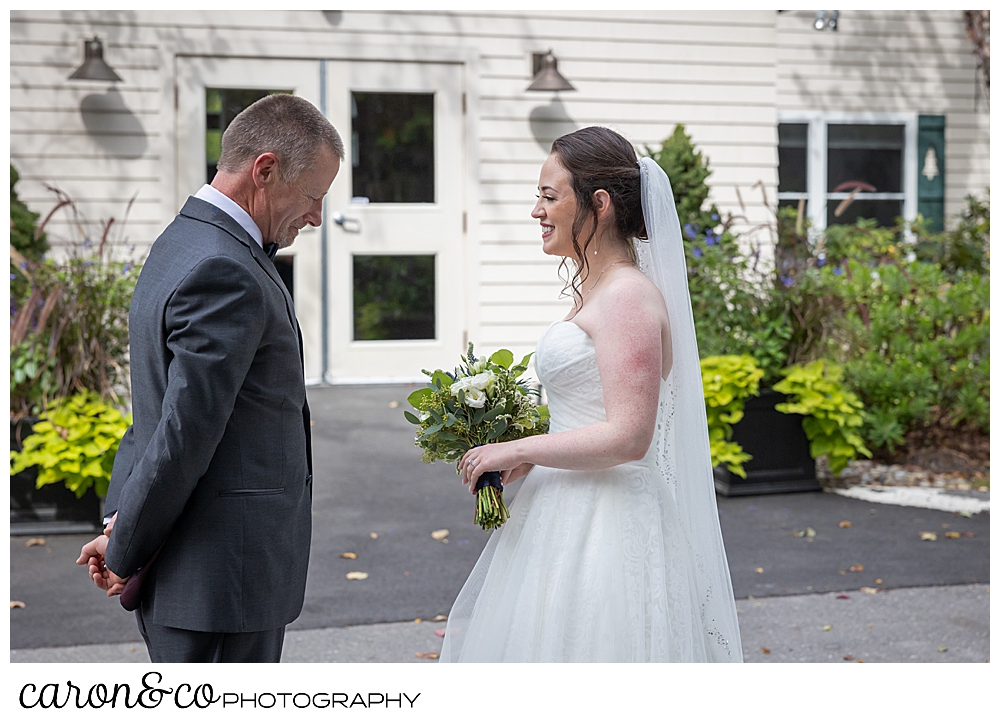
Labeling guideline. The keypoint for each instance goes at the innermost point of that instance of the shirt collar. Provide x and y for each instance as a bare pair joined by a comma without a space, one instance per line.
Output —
212,195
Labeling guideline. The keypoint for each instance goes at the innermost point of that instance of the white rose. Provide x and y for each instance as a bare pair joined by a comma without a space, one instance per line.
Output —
482,381
475,398
460,384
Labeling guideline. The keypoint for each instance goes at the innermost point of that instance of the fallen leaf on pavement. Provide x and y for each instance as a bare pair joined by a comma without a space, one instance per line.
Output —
878,581
856,568
432,656
758,569
349,555
826,628
439,618
843,572
439,534
373,535
928,536
842,596
942,649
848,657
765,651
357,576
35,541
870,590
393,404
953,535
965,513
439,633
16,604
810,532
418,620
860,660
968,533
845,523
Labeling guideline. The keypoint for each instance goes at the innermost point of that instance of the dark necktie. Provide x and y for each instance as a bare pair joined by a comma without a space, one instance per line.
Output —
270,250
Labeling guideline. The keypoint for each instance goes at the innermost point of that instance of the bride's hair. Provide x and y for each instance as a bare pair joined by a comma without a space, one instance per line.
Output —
598,158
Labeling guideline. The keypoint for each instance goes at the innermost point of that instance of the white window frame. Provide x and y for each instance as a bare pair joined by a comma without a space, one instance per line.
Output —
816,151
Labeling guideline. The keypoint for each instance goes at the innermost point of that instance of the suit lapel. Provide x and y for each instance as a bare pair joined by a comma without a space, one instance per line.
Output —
203,211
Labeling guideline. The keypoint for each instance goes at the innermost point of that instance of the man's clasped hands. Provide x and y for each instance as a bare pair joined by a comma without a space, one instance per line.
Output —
92,555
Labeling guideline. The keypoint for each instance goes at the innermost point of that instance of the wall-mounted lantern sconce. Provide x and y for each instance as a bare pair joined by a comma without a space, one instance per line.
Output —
547,76
824,20
94,67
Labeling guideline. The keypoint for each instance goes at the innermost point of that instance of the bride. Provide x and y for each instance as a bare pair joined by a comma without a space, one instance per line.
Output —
613,551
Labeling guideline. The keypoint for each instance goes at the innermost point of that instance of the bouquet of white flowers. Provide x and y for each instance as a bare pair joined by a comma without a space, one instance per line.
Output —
483,400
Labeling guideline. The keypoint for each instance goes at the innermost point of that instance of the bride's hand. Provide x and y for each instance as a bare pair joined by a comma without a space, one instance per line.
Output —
499,457
512,475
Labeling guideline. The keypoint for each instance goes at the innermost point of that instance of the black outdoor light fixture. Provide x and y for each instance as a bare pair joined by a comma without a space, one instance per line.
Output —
94,67
824,20
548,76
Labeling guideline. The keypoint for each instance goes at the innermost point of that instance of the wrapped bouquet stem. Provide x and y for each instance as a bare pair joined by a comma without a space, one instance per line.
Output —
484,400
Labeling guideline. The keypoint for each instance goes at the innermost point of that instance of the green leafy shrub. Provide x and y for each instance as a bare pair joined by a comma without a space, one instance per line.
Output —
833,415
69,318
24,233
966,246
918,348
75,443
728,382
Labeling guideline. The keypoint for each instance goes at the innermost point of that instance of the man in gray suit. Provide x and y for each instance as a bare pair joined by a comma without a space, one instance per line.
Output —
212,484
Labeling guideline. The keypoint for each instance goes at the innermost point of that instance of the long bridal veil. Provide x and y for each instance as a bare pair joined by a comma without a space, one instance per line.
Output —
662,259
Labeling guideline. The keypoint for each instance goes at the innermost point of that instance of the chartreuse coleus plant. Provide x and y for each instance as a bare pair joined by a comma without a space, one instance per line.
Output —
728,382
75,442
833,415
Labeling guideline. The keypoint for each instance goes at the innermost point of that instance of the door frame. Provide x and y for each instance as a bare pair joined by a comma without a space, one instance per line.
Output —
333,48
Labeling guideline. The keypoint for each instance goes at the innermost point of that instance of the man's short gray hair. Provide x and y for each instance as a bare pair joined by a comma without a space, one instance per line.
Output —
290,127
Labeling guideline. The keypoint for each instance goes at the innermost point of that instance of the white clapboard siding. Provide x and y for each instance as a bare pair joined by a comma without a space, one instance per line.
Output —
913,61
640,72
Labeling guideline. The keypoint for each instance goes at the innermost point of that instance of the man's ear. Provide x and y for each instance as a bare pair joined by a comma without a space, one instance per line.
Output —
265,169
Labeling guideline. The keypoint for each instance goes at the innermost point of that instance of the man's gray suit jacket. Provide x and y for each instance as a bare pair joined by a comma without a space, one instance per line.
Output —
216,468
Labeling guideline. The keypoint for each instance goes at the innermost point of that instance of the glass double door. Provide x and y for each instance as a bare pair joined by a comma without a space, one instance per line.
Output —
380,289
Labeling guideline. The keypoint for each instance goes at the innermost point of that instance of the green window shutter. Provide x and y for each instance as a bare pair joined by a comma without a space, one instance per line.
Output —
930,170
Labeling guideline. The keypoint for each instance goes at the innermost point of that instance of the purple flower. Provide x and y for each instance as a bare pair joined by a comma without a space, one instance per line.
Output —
126,267
24,265
711,238
13,276
715,217
787,281
689,230
86,243
696,252
821,261
838,271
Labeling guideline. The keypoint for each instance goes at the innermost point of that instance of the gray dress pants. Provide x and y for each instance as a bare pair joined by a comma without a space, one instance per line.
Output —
176,645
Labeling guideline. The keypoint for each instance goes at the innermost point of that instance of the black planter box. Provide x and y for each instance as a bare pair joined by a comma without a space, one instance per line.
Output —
781,460
53,509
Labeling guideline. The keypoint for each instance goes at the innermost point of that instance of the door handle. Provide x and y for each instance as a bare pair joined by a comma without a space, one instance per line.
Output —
350,225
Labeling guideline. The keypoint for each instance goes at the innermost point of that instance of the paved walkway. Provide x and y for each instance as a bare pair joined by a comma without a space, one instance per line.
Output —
911,625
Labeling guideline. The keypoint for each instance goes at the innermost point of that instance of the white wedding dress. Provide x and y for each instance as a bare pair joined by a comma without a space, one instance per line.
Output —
592,565
624,564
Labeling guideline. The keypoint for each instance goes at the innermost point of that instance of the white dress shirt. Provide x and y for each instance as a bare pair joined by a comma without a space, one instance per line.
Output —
212,195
